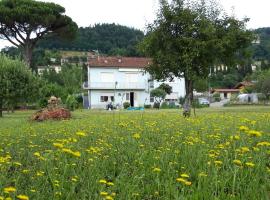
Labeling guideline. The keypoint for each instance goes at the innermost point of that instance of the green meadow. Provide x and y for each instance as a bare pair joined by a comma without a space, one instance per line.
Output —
217,154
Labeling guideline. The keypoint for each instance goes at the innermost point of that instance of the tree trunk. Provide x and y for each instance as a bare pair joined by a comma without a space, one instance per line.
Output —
188,97
1,108
28,52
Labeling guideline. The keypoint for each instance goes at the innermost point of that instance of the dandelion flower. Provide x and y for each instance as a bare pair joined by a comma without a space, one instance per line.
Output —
156,170
23,197
250,164
237,162
9,189
184,175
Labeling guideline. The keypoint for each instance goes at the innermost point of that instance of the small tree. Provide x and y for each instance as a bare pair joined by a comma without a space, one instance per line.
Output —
24,22
166,88
16,82
266,88
159,95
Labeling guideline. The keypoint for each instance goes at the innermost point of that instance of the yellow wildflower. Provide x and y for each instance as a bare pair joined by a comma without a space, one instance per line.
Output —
80,133
9,189
263,144
184,175
23,197
218,162
102,181
103,193
58,145
156,170
254,133
109,198
136,136
237,162
243,128
250,164
110,183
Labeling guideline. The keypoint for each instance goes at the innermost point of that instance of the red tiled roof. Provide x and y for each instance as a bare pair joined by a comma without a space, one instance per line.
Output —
226,90
244,83
134,62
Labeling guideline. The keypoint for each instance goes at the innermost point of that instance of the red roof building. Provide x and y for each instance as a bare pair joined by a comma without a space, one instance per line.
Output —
120,62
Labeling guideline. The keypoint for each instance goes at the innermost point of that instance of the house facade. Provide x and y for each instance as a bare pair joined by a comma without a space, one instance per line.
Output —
123,79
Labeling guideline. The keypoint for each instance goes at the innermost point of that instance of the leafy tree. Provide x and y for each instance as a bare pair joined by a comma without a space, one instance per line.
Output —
158,94
265,89
24,22
187,39
16,82
166,88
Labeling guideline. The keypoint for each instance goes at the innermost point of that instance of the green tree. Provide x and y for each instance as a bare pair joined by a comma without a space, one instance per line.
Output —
16,82
158,94
166,88
24,22
187,39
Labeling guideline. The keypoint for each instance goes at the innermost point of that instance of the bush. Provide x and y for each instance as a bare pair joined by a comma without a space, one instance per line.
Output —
164,105
217,99
172,105
126,105
147,106
156,105
71,103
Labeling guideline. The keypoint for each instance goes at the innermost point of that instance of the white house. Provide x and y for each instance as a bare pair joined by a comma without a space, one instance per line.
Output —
123,79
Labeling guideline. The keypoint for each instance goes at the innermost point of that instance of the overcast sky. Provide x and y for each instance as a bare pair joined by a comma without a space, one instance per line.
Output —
137,13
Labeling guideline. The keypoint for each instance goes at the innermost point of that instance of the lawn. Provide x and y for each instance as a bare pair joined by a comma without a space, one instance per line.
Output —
219,154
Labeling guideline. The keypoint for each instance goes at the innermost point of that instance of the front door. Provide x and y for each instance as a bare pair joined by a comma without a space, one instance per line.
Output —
132,99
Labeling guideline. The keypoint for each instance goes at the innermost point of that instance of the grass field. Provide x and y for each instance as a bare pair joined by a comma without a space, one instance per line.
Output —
219,154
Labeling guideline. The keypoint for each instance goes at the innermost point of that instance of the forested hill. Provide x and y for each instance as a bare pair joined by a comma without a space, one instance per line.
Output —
108,39
261,51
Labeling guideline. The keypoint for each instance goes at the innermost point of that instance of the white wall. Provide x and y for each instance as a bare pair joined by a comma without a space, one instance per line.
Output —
119,75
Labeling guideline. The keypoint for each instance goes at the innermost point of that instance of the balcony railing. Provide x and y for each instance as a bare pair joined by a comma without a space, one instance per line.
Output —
115,85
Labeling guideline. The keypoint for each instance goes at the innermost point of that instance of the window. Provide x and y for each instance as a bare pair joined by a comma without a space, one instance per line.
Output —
106,98
107,77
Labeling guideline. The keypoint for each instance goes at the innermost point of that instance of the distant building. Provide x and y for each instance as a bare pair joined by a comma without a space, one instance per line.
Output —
41,69
226,93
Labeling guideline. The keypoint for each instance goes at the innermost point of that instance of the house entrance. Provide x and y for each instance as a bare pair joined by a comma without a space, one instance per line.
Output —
132,99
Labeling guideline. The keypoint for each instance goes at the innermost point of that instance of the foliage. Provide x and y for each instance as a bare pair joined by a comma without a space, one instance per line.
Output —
25,22
147,106
69,79
126,105
71,102
262,79
17,83
201,85
164,105
110,39
186,40
167,88
213,155
216,97
156,105
158,94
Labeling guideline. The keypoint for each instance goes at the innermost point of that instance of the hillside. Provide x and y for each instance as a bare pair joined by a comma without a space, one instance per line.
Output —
108,39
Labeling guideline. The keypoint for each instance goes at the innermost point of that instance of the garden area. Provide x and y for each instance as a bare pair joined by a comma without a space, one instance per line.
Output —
154,154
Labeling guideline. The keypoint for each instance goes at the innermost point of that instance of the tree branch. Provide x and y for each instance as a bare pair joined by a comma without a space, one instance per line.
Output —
11,41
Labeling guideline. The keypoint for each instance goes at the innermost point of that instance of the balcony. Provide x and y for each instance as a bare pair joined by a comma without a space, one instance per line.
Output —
113,85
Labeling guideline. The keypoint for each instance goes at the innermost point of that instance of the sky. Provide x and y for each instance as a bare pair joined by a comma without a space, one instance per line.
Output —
138,13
